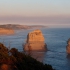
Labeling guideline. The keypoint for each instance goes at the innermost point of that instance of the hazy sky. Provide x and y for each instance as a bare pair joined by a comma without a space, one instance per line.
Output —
48,12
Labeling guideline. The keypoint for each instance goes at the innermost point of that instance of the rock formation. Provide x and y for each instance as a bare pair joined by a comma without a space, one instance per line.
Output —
35,41
68,46
6,31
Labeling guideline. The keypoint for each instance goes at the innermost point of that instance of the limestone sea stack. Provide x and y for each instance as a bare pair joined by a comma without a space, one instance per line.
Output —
35,41
68,46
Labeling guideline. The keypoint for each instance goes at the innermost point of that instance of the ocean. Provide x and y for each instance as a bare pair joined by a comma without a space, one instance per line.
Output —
56,40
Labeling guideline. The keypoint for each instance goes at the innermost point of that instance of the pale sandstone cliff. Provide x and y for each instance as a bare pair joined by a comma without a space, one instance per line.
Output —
6,31
35,41
68,46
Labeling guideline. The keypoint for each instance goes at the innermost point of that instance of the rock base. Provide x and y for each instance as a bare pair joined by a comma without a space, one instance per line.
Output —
35,47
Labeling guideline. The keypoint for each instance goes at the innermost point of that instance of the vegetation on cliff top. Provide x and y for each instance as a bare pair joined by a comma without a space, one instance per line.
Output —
14,60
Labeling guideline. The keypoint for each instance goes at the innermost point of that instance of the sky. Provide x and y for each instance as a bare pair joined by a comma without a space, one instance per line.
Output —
53,13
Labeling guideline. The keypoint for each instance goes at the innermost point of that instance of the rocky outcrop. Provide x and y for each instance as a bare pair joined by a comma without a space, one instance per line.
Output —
6,31
35,41
68,46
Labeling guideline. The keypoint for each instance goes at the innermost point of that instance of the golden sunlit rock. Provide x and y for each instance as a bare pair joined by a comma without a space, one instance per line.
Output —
35,41
4,31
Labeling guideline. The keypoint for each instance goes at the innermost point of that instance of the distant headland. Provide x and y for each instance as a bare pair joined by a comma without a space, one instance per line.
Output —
17,26
10,28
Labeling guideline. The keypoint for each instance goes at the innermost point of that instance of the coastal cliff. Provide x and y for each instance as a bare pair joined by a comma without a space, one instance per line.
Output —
12,59
35,41
4,31
68,46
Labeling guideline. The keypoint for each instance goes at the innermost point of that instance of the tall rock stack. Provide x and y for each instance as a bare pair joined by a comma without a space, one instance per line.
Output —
68,46
35,41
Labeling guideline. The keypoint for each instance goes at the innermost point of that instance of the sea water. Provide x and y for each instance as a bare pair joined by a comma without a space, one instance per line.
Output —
55,38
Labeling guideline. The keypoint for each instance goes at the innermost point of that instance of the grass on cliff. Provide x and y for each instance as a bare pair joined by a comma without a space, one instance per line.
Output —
15,60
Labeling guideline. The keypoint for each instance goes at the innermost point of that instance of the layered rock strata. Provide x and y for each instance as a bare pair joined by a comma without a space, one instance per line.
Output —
35,41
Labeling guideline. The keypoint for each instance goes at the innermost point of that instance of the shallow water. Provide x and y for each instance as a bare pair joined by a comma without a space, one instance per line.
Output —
56,43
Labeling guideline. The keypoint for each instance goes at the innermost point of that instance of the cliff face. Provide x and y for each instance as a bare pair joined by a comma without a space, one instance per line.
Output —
35,36
68,46
35,41
6,31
